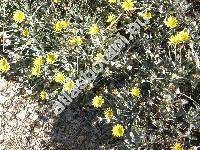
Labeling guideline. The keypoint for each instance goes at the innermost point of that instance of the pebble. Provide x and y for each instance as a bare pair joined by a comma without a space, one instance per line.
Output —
2,98
3,84
21,115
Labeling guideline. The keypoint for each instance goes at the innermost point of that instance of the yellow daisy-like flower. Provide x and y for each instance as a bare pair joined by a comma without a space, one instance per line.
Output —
51,58
4,65
108,113
25,32
127,5
99,58
65,24
111,19
178,146
56,1
94,29
59,77
118,130
59,25
36,70
115,91
171,22
43,95
97,101
38,61
76,41
68,86
147,16
79,40
135,91
19,16
174,40
112,1
183,36
174,76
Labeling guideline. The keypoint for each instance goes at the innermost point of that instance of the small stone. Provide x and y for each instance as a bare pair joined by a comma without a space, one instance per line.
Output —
34,116
2,99
3,84
8,115
21,115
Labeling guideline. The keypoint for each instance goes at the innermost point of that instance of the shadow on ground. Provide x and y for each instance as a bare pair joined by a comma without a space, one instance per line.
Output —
78,129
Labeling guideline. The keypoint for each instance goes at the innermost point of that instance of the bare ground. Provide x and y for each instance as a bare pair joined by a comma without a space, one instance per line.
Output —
24,125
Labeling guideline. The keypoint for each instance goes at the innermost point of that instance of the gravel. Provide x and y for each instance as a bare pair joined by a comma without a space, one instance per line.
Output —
24,125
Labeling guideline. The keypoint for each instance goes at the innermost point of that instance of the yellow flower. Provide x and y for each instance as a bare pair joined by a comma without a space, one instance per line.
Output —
43,95
38,61
174,40
76,40
108,113
135,91
72,41
59,25
174,76
147,16
4,65
56,1
115,91
127,5
99,58
94,29
118,130
111,19
97,101
59,77
79,40
51,58
25,32
179,38
68,86
74,30
36,70
171,22
112,1
136,80
65,24
178,146
19,16
184,36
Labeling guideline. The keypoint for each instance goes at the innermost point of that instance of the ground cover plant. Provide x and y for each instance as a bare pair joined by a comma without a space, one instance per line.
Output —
147,96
